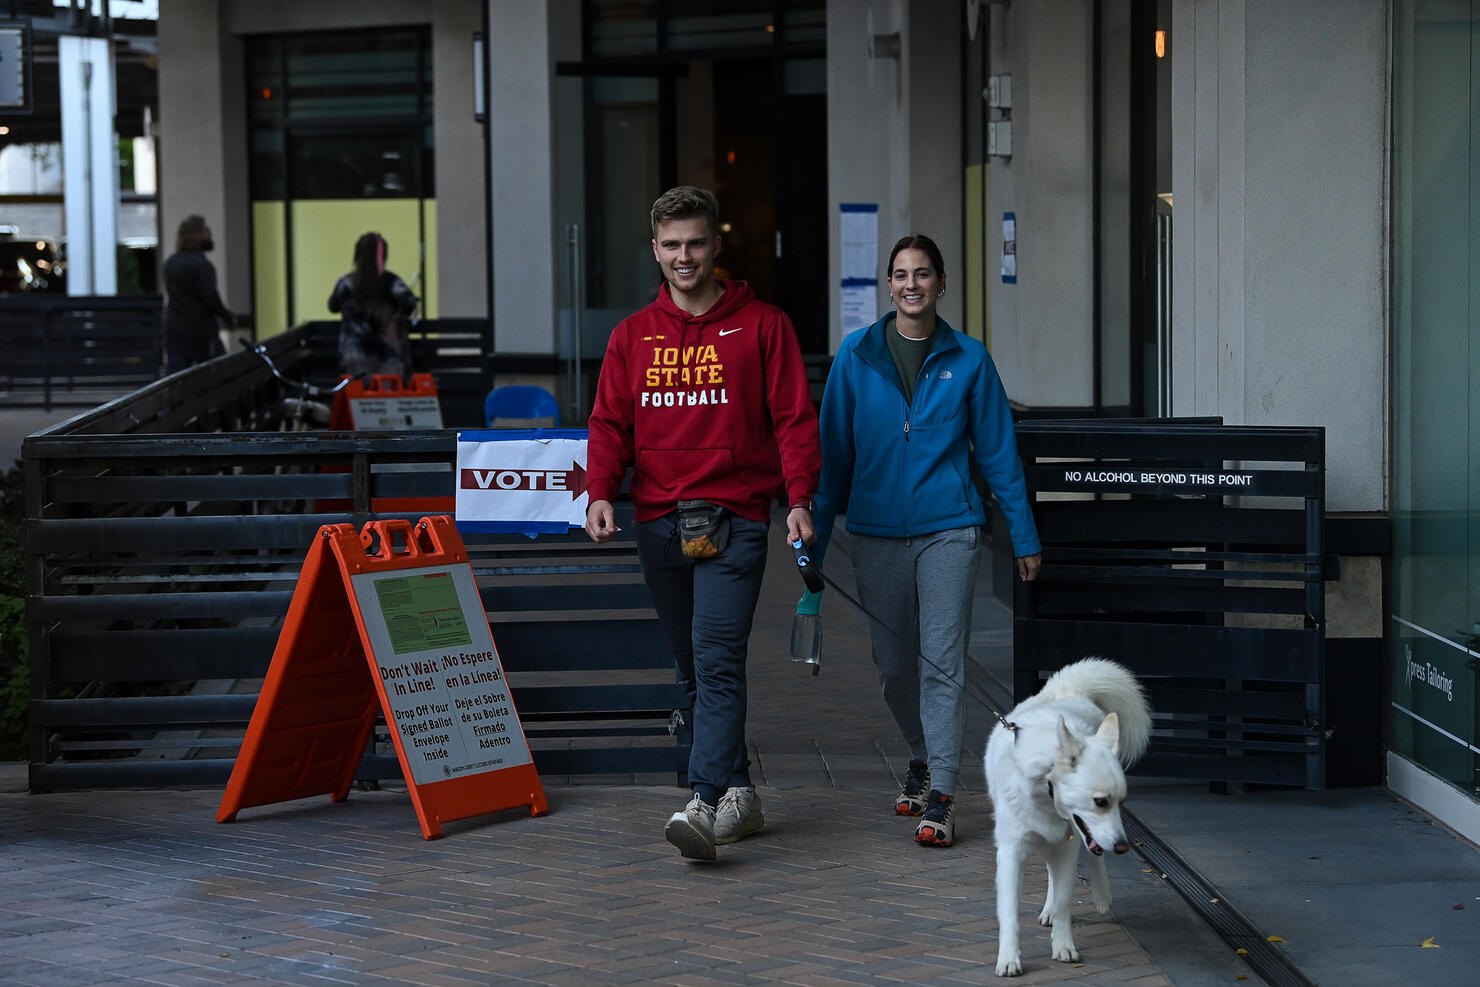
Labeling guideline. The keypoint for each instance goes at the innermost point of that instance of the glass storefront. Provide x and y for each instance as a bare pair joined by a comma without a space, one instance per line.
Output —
341,143
1435,620
727,96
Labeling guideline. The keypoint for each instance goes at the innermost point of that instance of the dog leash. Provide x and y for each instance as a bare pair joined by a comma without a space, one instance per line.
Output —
983,700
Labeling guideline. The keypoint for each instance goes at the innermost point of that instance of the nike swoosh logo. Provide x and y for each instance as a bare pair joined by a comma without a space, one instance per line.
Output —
726,332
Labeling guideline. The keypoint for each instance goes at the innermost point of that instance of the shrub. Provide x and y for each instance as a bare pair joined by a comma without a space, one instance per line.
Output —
14,646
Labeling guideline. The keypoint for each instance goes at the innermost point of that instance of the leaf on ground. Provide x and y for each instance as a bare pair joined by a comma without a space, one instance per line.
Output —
1273,939
1242,951
1429,944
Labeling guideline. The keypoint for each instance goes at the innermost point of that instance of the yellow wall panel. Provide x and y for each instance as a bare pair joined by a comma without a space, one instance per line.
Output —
324,235
269,268
428,287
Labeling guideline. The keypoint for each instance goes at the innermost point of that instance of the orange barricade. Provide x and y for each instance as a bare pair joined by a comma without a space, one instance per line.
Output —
387,619
386,401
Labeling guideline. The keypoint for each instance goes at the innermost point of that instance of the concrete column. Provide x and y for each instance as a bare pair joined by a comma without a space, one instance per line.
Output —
932,66
525,42
462,285
894,135
90,165
203,153
1208,48
1042,325
1279,119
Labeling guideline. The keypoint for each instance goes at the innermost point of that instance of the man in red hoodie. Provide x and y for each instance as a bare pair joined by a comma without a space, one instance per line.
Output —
703,394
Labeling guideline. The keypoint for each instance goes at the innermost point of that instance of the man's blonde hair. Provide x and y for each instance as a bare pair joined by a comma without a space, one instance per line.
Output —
686,202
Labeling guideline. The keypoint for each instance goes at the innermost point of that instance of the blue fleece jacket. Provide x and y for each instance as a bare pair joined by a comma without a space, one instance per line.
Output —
898,468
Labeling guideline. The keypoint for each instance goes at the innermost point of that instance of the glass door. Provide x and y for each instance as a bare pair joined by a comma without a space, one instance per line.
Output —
1436,414
615,150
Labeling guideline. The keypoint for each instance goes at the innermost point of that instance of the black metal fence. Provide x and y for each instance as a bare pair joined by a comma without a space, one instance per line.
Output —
1192,553
162,547
62,349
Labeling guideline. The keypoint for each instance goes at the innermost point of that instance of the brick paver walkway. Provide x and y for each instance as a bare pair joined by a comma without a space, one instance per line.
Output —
146,886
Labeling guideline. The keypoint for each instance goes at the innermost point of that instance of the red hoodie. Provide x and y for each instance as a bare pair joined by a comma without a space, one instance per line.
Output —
704,407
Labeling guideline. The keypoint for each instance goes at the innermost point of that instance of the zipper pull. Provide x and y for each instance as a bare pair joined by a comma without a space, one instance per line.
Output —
906,429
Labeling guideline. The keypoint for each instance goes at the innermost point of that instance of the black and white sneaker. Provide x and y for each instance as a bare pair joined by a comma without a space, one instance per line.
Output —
938,827
911,801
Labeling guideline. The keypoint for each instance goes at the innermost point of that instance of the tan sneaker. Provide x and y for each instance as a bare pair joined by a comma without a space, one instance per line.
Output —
938,827
738,816
692,830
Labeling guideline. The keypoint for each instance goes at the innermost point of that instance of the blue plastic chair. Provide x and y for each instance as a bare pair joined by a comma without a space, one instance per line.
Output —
519,406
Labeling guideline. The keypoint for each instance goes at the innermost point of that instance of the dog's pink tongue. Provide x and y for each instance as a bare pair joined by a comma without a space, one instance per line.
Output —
1093,846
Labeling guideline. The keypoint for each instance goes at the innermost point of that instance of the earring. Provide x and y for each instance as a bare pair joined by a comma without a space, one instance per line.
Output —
941,293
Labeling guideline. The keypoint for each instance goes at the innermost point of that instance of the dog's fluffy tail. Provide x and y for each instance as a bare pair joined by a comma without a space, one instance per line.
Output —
1115,690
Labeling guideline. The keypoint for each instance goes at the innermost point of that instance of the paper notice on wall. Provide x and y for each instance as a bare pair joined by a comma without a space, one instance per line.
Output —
859,303
859,236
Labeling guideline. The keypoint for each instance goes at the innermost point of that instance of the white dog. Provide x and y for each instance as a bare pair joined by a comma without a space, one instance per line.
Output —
1056,778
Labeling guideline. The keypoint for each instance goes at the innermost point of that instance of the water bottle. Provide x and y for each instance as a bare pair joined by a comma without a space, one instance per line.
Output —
806,626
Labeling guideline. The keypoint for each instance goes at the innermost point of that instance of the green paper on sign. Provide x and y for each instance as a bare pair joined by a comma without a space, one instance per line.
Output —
422,612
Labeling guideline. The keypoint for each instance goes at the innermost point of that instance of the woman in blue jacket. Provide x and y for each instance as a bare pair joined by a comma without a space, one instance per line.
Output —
909,403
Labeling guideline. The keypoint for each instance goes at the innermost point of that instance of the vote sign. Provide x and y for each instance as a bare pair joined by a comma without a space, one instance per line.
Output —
528,479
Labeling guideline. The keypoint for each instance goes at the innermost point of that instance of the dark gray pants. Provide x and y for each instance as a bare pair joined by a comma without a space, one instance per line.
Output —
920,589
706,608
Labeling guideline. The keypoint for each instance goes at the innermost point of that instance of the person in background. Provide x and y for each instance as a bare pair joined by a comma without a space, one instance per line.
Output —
910,404
193,308
376,307
703,394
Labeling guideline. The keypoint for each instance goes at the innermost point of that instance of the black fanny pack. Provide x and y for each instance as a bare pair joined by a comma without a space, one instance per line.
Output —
703,528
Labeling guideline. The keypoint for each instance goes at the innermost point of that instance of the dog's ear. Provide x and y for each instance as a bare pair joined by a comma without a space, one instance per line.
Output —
1109,733
1070,746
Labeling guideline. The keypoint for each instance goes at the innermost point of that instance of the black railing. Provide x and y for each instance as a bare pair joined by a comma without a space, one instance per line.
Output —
64,349
162,546
1193,553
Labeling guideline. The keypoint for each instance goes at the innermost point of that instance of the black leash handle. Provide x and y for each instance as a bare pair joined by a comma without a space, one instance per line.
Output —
811,575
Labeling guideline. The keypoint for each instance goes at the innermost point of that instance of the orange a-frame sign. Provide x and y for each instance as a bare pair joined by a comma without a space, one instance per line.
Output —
401,630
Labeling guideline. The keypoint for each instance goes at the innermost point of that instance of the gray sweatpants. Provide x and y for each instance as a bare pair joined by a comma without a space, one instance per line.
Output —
920,590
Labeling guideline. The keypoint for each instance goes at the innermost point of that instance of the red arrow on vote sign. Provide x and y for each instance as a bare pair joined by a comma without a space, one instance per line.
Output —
515,478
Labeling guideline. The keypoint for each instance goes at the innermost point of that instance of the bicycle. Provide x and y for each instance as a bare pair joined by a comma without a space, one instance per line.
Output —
301,409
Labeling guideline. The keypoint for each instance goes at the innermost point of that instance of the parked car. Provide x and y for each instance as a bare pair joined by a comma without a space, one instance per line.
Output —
29,263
